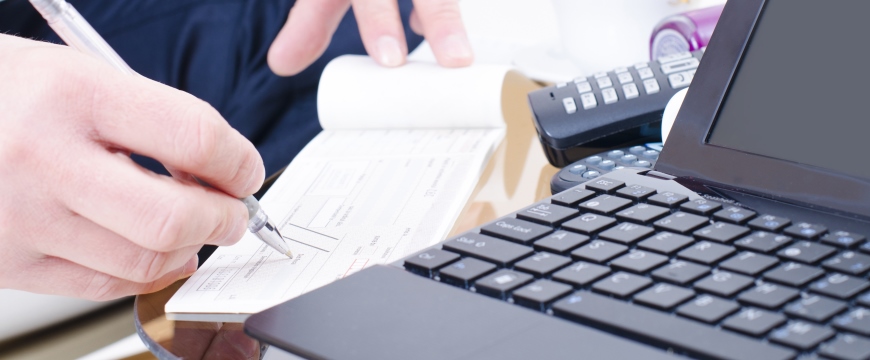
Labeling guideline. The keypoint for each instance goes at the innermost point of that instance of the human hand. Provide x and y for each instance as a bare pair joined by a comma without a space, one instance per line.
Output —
78,216
312,23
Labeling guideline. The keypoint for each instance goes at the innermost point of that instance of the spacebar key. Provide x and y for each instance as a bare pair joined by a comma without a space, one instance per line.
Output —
662,329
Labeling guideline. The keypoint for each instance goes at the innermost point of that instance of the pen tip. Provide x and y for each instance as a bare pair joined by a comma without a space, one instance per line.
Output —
289,254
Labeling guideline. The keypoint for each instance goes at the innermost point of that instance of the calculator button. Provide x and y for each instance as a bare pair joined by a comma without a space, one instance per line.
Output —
561,85
600,74
630,91
681,79
637,150
579,80
628,158
620,70
615,154
593,160
577,169
645,73
591,174
651,154
570,106
674,57
642,163
609,95
641,65
651,86
680,65
607,165
624,78
584,87
604,82
588,100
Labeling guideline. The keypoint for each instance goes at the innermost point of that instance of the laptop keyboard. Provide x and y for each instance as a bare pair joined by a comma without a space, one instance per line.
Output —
670,271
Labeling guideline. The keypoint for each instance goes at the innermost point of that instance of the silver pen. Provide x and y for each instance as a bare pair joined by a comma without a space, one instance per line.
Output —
72,28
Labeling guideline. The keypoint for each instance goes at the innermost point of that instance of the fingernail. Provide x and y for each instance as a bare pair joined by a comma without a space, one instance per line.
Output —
190,267
457,47
389,51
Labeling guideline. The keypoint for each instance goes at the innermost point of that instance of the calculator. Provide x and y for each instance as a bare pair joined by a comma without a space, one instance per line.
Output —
642,156
609,109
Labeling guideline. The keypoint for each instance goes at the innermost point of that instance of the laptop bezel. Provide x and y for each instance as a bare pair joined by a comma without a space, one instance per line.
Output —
696,163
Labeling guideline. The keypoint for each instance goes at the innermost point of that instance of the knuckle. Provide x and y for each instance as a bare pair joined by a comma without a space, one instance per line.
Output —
150,266
197,139
440,13
101,287
168,217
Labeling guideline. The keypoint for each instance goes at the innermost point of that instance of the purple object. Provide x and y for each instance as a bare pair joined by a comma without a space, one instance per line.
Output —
684,32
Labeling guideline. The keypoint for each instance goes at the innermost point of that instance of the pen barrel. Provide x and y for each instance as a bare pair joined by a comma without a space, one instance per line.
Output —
72,28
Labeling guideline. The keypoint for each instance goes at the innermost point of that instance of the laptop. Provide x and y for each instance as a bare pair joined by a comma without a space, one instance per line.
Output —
747,240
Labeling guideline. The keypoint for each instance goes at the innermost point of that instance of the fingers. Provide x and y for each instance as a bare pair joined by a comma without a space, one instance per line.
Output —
381,30
65,278
155,212
175,128
442,25
97,248
306,34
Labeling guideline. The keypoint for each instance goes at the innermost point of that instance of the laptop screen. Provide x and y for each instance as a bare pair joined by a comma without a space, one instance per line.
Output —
801,90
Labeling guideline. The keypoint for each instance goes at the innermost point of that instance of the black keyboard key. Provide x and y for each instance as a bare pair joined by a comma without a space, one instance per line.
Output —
547,214
622,284
762,241
734,215
753,322
864,299
487,248
794,274
815,308
515,230
664,296
708,309
642,213
706,252
660,328
605,204
749,263
721,232
589,223
847,347
668,199
806,252
701,207
865,247
425,263
542,264
626,233
840,286
599,251
724,283
805,230
561,242
680,272
636,192
638,261
463,272
572,197
581,273
768,296
856,321
801,335
499,283
605,185
539,294
769,223
681,222
843,239
665,243
849,262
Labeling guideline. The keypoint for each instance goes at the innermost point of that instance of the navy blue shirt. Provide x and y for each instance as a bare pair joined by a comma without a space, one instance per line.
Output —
215,50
